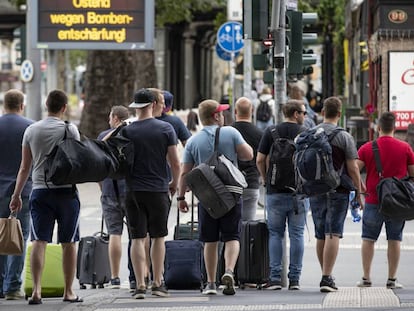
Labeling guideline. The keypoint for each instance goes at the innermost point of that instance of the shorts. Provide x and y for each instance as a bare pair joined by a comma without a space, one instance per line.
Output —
48,206
372,221
226,228
113,214
147,212
329,220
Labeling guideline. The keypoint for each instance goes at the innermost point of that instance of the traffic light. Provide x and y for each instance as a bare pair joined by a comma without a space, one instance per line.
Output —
20,34
299,60
264,60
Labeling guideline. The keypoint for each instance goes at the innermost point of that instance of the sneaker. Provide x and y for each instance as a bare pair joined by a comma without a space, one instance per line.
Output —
14,295
210,289
1,295
273,285
115,283
228,281
391,284
160,291
132,286
327,284
294,285
364,283
148,282
139,293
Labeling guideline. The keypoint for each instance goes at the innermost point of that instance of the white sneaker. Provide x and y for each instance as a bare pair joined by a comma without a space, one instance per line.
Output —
210,289
393,284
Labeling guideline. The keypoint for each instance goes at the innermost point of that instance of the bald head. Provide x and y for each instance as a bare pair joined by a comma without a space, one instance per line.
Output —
244,109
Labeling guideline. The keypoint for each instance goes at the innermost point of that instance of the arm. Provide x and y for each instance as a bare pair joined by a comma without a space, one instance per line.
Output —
410,170
261,166
182,204
244,152
172,158
353,171
22,176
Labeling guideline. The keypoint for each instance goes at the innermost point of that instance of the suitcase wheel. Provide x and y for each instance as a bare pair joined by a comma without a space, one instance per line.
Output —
100,286
82,286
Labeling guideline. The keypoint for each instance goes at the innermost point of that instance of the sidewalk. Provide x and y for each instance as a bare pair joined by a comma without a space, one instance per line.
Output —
347,272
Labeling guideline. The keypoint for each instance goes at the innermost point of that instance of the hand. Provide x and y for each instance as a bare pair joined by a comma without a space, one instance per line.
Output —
183,206
172,188
15,204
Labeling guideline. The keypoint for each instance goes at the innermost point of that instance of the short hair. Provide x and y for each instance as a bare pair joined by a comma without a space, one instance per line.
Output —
387,122
292,106
157,93
121,112
56,100
206,110
244,107
332,106
13,99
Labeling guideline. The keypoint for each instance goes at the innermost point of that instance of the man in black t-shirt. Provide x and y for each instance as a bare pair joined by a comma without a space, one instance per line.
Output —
252,134
281,204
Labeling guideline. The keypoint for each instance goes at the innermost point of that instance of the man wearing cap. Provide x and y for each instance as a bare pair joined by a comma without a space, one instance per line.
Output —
148,201
183,134
227,228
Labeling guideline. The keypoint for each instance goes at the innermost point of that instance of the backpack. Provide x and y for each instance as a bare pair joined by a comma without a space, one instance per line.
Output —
281,173
313,163
263,111
121,150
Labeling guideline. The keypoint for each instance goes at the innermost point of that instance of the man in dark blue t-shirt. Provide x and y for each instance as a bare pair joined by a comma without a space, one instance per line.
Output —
12,127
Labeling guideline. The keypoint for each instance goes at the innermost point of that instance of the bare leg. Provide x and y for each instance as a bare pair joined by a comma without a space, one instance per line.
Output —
320,244
210,260
115,253
231,253
37,262
157,259
330,252
69,268
393,254
367,252
139,261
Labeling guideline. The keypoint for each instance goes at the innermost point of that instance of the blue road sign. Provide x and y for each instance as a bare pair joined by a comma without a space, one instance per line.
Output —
230,37
224,55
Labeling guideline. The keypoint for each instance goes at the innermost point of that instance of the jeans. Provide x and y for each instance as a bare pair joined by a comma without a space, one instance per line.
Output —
280,210
11,267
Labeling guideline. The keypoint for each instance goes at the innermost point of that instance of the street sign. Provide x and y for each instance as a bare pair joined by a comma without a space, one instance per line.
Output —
224,55
26,71
230,37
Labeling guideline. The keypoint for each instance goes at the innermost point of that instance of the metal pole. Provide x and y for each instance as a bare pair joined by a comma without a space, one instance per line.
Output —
278,31
33,88
232,77
247,68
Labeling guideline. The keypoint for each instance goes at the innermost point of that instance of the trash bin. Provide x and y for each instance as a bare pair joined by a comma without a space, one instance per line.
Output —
358,127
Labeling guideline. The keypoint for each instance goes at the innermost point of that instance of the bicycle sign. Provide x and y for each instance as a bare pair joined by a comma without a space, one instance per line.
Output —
230,37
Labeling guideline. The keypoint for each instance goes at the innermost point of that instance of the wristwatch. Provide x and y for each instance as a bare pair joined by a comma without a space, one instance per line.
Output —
181,198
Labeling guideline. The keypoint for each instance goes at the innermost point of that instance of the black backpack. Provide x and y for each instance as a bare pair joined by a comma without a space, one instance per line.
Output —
263,111
281,173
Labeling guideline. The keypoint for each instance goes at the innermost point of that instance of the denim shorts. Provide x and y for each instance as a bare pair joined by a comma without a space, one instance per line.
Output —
147,212
372,221
48,206
226,228
113,213
329,220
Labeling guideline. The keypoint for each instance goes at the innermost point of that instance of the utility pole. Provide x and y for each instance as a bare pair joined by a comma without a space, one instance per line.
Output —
277,29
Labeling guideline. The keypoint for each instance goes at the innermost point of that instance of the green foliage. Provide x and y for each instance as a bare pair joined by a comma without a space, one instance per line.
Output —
175,12
77,57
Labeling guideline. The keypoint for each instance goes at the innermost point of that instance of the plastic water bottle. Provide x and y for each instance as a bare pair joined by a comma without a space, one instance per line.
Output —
356,217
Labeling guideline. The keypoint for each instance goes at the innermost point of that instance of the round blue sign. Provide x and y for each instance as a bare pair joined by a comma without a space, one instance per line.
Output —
224,55
230,36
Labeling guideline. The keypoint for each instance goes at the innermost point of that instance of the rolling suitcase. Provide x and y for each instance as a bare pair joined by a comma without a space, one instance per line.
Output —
253,263
52,278
93,260
184,263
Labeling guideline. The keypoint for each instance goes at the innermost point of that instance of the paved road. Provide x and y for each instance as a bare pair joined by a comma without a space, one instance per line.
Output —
347,272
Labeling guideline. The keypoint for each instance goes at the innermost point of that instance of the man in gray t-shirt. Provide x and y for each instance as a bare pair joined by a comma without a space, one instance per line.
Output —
49,203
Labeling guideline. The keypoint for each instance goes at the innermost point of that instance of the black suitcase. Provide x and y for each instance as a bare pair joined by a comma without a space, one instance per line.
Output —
253,263
184,261
93,260
189,230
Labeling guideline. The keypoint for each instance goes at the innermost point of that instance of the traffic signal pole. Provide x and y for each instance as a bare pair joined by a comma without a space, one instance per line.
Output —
277,29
